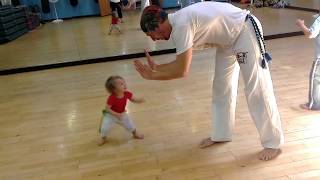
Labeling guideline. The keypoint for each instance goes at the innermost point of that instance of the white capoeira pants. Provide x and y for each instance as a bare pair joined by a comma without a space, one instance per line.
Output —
314,86
245,56
144,4
109,120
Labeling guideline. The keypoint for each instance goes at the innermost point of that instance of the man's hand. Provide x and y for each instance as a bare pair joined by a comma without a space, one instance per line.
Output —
144,69
300,22
151,62
304,28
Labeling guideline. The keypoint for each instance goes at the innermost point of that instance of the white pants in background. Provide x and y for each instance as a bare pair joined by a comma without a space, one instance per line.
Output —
6,2
314,86
144,4
109,120
245,56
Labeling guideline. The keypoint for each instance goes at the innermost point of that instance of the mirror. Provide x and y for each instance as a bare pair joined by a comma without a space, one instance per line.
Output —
86,39
310,4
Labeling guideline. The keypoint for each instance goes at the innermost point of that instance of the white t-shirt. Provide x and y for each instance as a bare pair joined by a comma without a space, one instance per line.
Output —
206,24
315,31
115,1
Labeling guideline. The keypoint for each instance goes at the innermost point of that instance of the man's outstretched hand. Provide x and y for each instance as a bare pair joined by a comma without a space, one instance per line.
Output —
144,70
151,62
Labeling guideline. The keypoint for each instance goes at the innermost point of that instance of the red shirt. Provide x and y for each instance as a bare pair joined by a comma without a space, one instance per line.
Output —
114,20
119,104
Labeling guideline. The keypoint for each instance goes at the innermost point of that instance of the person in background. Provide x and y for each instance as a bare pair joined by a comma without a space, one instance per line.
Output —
314,82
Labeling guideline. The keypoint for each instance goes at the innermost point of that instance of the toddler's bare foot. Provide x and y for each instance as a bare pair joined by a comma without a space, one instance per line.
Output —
102,141
137,135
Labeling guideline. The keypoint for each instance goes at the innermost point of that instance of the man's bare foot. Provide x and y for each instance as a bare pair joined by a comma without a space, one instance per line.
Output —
304,106
137,135
102,141
207,142
268,154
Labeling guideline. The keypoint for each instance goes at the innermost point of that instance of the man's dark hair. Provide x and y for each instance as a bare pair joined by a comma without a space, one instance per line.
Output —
151,17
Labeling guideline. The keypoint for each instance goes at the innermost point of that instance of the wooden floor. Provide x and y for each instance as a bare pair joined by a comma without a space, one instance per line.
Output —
313,4
86,38
49,122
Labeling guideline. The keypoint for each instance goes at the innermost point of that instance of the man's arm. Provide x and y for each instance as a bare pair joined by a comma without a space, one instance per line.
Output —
176,69
304,28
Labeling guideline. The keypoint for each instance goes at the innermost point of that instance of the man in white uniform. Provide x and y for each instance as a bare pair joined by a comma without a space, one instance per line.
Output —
234,32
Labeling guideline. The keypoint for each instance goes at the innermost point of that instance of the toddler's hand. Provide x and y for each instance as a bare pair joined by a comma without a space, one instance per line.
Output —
142,100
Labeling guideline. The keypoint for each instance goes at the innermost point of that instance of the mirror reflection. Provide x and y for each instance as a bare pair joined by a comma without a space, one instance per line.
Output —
42,32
